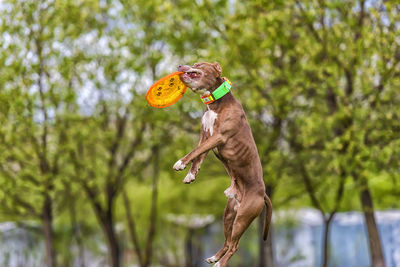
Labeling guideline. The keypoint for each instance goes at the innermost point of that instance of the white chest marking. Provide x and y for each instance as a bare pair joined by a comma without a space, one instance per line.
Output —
208,121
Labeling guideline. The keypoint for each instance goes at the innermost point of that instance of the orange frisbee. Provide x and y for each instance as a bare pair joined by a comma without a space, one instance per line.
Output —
166,91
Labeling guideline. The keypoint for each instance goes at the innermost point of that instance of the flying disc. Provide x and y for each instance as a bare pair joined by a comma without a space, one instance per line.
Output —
166,91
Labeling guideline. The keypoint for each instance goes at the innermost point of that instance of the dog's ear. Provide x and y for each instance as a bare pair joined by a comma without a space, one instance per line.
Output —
217,68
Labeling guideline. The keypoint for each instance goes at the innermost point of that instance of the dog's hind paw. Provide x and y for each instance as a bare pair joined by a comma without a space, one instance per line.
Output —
216,265
189,178
211,260
178,166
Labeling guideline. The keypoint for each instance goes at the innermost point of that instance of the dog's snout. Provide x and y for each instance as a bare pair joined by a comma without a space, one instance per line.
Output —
183,68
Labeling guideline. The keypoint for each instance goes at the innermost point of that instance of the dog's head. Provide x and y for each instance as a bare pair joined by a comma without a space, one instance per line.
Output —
202,77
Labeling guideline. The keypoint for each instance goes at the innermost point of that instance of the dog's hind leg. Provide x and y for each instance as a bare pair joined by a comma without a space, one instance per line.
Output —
229,218
249,209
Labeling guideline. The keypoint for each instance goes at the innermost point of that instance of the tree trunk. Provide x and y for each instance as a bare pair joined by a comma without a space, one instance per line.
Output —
153,212
262,251
325,252
375,246
146,258
47,220
112,242
132,228
189,255
266,252
266,255
269,248
76,231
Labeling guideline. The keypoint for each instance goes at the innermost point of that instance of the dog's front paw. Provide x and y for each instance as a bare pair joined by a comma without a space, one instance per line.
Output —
189,178
211,260
178,166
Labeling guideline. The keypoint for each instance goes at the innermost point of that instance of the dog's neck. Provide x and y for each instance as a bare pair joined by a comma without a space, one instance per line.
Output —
207,91
221,103
217,84
220,82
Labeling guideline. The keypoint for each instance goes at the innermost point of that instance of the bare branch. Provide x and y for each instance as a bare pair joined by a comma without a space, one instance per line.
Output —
153,212
309,188
309,22
132,228
125,162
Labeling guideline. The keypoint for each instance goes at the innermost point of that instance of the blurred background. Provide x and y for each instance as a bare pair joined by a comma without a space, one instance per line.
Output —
86,173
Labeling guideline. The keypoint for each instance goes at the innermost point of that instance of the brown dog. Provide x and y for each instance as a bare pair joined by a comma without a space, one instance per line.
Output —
226,131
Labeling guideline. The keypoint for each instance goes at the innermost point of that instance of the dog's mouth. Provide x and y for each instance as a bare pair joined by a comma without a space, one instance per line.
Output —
191,75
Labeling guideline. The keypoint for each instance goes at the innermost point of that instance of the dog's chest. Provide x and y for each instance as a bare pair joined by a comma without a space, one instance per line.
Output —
208,121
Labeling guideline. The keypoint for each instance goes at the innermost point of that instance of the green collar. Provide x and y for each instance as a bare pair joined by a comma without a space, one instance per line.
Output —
222,90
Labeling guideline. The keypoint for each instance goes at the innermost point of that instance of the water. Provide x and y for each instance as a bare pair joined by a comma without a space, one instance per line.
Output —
297,242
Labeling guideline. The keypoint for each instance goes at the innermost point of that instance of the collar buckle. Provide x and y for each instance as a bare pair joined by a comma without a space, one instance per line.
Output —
207,99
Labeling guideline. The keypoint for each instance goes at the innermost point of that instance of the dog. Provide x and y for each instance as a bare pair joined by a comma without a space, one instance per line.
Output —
226,131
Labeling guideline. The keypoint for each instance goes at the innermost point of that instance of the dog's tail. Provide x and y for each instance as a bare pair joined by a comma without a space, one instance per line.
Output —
268,215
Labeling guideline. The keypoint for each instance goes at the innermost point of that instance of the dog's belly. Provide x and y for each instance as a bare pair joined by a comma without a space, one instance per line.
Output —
239,151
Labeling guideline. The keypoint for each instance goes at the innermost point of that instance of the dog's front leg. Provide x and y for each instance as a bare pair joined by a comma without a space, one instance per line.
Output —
191,176
208,144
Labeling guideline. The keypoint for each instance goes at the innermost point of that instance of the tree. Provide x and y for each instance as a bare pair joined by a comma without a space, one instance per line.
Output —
353,102
34,128
311,63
